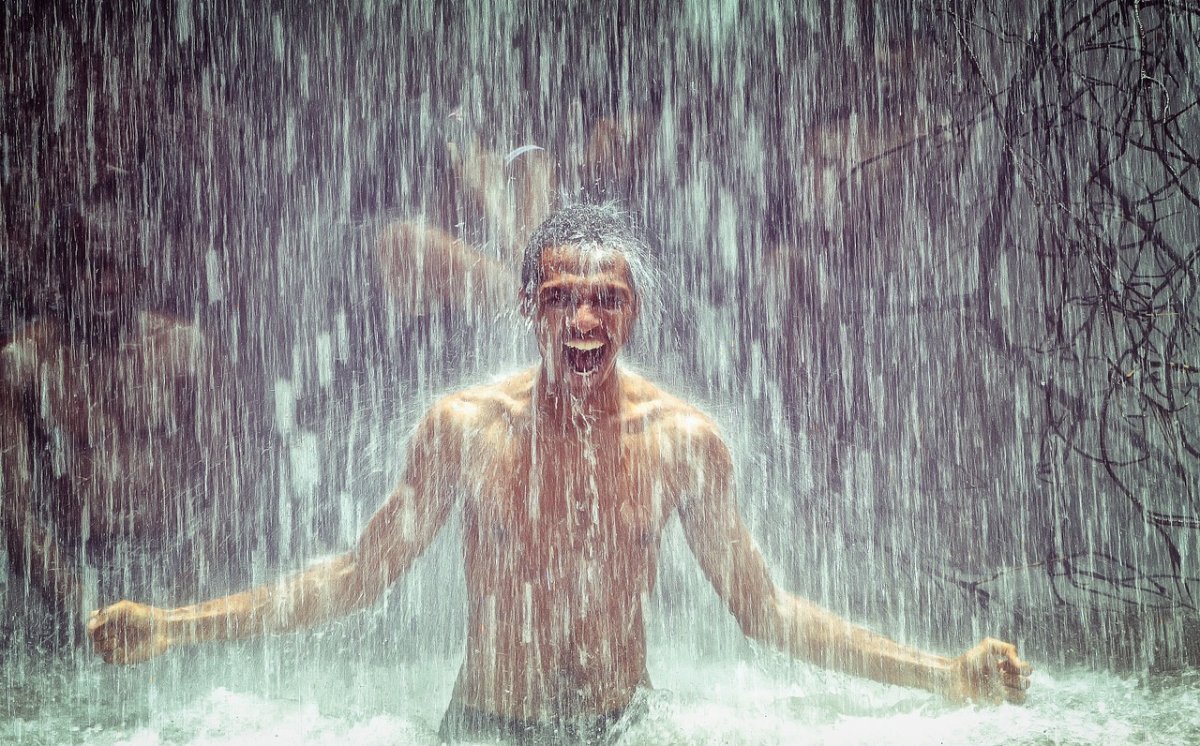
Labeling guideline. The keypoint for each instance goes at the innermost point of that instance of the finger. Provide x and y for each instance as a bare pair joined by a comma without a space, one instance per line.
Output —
129,655
107,638
99,638
107,652
99,634
107,647
1000,647
124,654
1016,682
1008,652
1015,666
96,621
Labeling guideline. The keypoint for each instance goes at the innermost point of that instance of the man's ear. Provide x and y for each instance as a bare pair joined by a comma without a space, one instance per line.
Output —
525,303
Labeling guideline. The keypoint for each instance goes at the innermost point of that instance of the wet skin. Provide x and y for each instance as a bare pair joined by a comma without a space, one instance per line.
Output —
110,393
567,474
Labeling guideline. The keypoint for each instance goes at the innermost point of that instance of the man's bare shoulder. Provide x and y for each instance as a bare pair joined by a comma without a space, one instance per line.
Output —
483,404
649,405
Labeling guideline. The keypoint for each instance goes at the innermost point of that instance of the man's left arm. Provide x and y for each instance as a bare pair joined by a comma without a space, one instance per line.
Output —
991,671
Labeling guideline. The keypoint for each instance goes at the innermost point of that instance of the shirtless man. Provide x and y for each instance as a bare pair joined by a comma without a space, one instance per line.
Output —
102,450
567,474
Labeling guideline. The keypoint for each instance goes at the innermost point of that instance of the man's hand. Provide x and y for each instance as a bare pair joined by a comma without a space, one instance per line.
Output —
514,191
127,632
989,672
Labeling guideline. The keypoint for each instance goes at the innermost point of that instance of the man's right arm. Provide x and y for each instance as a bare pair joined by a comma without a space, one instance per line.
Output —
397,534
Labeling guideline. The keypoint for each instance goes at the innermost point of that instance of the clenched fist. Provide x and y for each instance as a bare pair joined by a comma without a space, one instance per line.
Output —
128,632
989,672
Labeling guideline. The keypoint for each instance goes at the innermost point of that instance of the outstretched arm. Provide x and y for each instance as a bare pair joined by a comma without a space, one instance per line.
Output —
397,534
991,671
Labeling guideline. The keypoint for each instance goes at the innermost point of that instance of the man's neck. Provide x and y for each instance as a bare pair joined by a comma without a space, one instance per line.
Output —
100,334
560,408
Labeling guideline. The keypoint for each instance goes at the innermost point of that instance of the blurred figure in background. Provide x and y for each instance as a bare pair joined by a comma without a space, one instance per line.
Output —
877,164
528,134
109,447
465,255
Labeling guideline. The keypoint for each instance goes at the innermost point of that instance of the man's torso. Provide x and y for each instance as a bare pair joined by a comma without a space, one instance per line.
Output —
561,536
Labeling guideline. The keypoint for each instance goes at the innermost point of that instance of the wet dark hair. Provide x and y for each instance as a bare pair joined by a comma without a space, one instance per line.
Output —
589,227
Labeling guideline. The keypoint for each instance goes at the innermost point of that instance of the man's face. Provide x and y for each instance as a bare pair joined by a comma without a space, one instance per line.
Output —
108,280
583,312
107,287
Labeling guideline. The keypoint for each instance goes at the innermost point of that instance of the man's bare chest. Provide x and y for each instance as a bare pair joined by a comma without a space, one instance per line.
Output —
533,499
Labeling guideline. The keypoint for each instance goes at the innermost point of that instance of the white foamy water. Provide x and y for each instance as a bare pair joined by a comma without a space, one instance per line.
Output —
247,696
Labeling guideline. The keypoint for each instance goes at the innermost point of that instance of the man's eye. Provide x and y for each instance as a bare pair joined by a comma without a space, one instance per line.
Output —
609,301
554,298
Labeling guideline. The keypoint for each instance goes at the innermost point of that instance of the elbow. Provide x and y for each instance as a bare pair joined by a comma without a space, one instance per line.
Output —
776,623
359,584
762,621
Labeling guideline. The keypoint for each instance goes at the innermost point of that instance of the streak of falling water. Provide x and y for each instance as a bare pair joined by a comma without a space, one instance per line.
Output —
932,268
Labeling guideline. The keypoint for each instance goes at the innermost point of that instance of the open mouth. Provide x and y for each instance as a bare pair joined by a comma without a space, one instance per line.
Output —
584,355
104,307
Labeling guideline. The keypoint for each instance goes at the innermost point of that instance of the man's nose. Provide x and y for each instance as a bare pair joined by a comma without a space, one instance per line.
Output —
585,318
105,283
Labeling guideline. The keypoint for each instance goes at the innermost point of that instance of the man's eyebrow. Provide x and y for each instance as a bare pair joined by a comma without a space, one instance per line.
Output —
618,285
